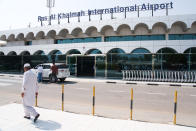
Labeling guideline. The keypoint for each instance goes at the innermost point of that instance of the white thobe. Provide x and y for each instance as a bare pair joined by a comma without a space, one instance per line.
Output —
29,87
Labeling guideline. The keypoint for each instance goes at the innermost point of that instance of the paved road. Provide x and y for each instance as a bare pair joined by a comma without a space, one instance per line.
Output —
151,103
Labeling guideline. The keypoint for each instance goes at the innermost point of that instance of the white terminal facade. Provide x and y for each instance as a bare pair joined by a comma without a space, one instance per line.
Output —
151,34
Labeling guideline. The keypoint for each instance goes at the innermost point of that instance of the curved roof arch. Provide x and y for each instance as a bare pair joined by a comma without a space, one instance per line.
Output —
76,31
73,51
20,36
55,52
3,37
2,53
40,35
107,30
125,27
161,28
39,52
166,50
141,25
140,51
180,24
63,32
190,50
30,36
11,37
91,31
93,51
25,53
116,51
51,34
11,53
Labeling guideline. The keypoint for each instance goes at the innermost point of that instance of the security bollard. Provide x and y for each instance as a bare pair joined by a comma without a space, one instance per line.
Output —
62,97
93,110
175,107
131,105
35,100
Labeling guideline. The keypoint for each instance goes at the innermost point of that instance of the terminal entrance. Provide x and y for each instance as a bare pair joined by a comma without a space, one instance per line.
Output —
85,65
90,66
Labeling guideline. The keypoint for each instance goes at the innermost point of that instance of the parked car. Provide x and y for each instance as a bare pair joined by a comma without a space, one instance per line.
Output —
63,71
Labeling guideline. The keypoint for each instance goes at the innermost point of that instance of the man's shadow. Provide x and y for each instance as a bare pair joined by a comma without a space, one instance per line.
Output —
47,125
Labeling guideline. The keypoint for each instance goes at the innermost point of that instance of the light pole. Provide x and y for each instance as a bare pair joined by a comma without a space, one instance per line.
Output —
50,4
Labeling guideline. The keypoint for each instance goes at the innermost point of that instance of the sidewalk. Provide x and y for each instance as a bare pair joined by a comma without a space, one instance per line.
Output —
12,120
113,81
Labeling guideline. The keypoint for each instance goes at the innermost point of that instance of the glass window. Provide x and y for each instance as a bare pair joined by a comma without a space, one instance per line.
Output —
116,50
140,50
194,36
188,37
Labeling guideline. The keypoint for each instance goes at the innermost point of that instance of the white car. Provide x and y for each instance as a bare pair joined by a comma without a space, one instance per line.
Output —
63,71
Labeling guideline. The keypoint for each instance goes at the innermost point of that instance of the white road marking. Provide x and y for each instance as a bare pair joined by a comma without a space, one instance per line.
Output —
151,93
5,84
193,95
117,91
82,89
12,81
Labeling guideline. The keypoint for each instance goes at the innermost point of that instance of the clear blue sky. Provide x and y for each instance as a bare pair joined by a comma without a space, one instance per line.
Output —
19,13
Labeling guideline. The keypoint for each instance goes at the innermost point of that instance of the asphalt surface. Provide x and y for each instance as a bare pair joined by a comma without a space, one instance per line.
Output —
152,103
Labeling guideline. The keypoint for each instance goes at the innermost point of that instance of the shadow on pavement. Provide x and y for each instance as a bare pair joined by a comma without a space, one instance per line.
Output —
65,82
47,125
186,125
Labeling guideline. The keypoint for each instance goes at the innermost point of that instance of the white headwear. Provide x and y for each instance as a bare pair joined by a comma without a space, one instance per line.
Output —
27,65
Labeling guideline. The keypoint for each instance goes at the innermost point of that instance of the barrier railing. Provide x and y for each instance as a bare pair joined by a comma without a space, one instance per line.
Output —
159,76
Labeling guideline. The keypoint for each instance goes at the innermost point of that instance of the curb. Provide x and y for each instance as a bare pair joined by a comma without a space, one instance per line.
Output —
129,83
112,82
151,84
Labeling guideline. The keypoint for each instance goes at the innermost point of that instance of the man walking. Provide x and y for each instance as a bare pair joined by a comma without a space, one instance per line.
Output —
29,91
54,70
40,71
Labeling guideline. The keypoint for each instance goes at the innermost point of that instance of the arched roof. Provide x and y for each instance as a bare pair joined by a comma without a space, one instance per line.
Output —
30,36
3,37
63,32
185,20
40,35
55,52
167,50
116,51
140,50
73,51
181,24
123,26
105,28
39,52
90,30
51,34
25,53
75,32
93,51
190,50
1,53
20,37
11,53
161,25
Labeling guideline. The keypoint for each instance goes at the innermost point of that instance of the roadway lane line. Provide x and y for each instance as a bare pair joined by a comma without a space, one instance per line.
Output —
5,84
151,93
193,95
81,89
117,91
12,81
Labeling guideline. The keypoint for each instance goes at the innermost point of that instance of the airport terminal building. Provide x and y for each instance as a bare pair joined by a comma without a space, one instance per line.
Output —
103,48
